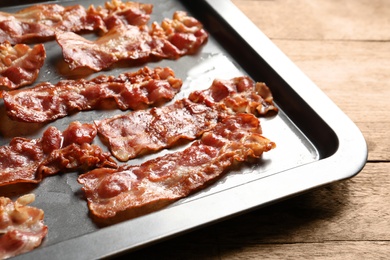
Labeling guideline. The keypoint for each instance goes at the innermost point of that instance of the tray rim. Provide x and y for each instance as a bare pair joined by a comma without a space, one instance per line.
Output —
352,148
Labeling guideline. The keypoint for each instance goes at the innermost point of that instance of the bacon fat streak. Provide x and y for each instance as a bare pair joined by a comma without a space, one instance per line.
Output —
142,132
40,22
20,64
26,160
172,39
136,189
46,102
21,226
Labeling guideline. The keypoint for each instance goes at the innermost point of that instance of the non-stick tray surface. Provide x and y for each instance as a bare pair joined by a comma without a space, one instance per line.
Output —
316,143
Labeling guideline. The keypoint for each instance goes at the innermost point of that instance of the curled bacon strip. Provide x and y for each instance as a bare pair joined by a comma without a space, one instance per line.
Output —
172,39
21,226
240,94
20,64
131,190
142,132
117,12
26,160
46,102
40,22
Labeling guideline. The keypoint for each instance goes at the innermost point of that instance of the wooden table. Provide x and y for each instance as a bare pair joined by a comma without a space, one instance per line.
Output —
344,47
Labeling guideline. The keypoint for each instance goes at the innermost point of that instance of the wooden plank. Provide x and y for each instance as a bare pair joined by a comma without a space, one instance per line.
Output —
356,77
321,19
324,250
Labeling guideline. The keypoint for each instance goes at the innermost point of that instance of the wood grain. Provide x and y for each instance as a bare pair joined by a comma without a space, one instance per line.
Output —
326,250
355,75
350,20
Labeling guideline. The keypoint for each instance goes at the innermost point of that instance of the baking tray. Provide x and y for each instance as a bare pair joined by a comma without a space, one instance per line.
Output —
317,143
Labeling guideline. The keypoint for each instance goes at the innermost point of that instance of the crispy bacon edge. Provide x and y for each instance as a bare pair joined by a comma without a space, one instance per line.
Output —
183,35
117,12
134,90
30,160
21,227
143,132
20,65
132,190
40,22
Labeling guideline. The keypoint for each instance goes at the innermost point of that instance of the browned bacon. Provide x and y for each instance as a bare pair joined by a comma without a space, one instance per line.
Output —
142,132
21,226
240,94
20,64
81,157
172,39
47,102
40,22
131,190
117,12
29,160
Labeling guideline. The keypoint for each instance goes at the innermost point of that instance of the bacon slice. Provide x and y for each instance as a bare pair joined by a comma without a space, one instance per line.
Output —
47,102
118,13
142,132
40,22
131,190
20,64
240,94
81,157
25,160
172,39
21,226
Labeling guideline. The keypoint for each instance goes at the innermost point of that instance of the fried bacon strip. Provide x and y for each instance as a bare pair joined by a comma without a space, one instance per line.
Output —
117,12
40,22
132,190
20,64
142,132
172,39
21,226
240,94
47,102
26,160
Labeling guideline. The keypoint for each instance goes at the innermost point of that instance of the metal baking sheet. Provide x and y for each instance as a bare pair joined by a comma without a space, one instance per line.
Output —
316,142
